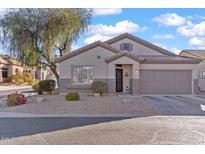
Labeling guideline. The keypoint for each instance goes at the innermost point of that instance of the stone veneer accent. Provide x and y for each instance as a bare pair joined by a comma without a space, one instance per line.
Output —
66,84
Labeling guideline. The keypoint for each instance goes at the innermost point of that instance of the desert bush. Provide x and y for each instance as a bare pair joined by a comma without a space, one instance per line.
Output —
17,78
72,96
47,86
11,100
21,78
99,87
16,99
27,77
35,85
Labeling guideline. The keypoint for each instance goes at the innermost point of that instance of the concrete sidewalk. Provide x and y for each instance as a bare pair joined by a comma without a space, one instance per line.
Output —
14,87
30,115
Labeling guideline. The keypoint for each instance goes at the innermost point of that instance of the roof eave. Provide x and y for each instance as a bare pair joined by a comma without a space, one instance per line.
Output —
171,62
85,48
138,59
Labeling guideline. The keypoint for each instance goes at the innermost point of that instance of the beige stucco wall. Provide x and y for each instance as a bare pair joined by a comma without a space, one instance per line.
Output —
192,67
12,70
127,69
88,58
201,68
137,48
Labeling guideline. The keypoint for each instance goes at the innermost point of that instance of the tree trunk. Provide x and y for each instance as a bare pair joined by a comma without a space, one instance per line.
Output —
55,72
53,68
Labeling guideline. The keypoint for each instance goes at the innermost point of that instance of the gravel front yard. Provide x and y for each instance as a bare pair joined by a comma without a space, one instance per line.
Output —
55,104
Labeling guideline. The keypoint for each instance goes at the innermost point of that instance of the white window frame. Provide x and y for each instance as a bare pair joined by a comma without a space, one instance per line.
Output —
81,74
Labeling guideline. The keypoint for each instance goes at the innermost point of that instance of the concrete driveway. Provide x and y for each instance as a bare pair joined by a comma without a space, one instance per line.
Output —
178,105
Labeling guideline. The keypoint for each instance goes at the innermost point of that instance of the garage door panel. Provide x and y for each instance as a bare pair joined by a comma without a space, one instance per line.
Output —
165,82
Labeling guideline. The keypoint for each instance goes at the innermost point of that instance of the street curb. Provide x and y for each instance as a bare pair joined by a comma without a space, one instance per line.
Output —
30,115
15,88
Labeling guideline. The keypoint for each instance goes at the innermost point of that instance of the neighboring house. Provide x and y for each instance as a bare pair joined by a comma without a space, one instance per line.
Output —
8,67
43,73
199,54
30,70
128,64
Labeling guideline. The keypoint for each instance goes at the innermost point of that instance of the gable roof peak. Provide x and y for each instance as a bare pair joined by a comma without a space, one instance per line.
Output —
126,54
140,41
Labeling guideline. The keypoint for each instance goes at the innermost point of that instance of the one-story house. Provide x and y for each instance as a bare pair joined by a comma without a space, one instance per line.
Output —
128,64
9,67
199,54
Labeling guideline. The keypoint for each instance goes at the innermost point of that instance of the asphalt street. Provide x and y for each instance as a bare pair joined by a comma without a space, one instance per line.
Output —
15,127
108,131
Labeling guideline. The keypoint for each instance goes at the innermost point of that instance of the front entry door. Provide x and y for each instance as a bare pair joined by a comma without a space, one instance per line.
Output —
119,80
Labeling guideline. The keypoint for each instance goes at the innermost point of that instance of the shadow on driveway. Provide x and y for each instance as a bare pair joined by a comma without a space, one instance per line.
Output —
14,127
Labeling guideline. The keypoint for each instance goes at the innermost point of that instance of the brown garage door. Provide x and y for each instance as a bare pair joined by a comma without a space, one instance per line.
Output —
165,82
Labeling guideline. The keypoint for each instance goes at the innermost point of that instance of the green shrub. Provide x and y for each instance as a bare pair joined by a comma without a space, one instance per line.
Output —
72,96
27,77
99,87
35,85
20,78
11,101
46,86
17,78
